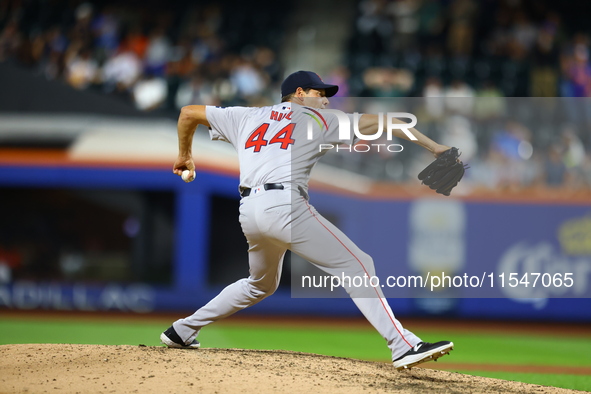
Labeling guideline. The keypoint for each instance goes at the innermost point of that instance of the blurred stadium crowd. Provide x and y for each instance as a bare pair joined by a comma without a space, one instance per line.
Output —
484,53
154,54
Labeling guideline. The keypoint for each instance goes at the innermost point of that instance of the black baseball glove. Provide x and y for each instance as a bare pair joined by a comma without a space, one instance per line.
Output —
443,174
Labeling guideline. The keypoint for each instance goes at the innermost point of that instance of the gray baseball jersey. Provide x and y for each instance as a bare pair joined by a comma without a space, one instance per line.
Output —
265,140
274,146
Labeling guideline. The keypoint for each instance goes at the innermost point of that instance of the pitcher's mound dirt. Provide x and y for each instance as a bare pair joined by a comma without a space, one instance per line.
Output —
141,369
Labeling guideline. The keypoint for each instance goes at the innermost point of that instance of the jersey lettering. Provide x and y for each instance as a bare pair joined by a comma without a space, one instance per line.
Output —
280,116
257,138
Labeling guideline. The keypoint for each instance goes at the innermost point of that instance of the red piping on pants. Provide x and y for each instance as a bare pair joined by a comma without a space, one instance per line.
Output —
362,266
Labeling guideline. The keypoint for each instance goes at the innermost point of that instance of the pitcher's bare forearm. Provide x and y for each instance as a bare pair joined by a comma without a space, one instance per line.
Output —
368,124
191,116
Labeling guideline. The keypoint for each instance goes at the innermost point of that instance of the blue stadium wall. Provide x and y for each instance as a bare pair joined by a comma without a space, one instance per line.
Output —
516,235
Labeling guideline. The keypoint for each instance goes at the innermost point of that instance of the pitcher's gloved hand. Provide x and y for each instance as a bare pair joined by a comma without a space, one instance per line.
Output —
444,173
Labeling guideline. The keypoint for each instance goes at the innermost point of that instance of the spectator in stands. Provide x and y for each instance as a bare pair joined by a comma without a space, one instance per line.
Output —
135,41
121,71
179,68
82,70
459,97
374,26
576,81
511,149
431,22
196,91
403,27
460,37
545,56
158,52
105,28
10,40
387,82
457,131
246,78
577,72
554,168
266,60
149,92
524,31
490,103
573,157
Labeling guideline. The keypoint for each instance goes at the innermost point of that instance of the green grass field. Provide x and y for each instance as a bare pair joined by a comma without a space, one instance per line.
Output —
359,343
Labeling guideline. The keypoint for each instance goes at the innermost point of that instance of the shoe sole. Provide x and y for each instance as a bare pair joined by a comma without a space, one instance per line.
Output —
165,340
433,355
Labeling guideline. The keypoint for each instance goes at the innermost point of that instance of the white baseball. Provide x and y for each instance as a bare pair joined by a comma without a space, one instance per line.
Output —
187,176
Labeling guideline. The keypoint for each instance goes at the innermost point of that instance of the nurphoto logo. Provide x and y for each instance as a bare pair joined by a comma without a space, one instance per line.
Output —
345,130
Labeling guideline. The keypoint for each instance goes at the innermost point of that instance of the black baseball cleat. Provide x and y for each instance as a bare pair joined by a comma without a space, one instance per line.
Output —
171,339
423,352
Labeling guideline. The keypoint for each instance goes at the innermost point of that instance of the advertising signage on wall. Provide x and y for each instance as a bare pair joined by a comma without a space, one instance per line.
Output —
483,259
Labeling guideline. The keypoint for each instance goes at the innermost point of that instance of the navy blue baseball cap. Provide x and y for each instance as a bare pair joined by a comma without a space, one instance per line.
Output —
305,80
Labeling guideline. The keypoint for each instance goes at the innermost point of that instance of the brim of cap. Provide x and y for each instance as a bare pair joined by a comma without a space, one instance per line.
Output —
330,90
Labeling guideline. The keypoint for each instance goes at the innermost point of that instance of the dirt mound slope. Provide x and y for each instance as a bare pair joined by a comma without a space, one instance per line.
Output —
38,368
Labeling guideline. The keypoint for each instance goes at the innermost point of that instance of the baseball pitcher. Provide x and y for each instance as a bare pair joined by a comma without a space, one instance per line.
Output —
277,151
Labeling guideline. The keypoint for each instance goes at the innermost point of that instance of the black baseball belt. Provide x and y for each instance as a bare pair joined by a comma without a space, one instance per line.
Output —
245,191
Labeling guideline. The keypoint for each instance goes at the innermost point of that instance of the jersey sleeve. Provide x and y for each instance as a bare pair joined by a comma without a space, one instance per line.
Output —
225,122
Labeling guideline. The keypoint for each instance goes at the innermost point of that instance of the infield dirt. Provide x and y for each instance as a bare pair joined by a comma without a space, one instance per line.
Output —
66,368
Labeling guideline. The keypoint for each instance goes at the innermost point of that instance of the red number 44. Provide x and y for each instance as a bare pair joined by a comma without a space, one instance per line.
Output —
257,138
